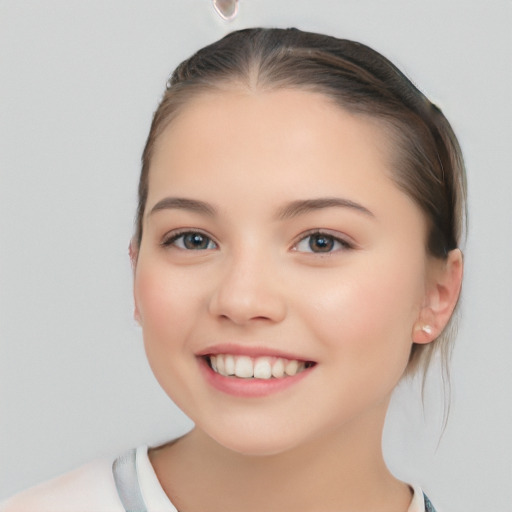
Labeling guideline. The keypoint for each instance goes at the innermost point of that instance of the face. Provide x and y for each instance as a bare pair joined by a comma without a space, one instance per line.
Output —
277,247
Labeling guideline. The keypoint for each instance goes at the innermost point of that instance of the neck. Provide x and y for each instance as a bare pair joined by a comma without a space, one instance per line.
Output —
343,470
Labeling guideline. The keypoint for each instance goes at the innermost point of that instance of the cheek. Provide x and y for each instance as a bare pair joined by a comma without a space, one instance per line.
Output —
165,303
152,298
367,314
168,308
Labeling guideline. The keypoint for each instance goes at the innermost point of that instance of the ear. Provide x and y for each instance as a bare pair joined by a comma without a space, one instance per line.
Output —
442,295
133,251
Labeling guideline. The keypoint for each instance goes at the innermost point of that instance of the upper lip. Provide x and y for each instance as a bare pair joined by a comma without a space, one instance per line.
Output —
251,351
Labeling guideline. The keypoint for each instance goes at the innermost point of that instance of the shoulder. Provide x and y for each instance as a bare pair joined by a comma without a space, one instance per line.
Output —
90,487
420,502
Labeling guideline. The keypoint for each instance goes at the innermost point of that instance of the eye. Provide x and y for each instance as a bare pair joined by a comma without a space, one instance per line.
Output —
319,242
191,241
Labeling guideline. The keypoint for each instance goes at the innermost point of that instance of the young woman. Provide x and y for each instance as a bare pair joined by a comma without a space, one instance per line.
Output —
295,256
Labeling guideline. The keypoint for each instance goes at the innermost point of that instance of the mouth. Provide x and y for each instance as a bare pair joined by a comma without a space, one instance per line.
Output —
256,368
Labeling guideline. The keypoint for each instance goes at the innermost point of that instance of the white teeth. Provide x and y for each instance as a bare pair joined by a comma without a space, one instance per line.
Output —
229,362
278,369
246,367
291,367
221,367
262,368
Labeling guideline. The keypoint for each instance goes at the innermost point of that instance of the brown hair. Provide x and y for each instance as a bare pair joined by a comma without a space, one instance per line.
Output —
428,162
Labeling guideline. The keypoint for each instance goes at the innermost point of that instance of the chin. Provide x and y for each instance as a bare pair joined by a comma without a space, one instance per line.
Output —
256,444
257,448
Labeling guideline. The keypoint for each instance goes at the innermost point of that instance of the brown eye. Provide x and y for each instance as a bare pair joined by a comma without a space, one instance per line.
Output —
321,243
192,241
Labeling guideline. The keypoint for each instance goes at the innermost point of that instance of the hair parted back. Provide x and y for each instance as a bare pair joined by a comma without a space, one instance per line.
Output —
428,164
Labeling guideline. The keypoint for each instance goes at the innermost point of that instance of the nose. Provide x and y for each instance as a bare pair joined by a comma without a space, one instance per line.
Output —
248,291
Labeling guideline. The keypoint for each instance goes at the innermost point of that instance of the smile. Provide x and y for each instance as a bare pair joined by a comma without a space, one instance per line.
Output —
246,367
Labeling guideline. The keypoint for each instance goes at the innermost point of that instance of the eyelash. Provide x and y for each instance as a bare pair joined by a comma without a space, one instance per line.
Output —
334,243
343,244
171,240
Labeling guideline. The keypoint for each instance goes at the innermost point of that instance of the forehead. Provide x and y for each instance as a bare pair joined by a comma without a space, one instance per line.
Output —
268,146
271,125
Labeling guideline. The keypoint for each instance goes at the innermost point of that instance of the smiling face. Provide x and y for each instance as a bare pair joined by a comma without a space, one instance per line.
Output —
276,242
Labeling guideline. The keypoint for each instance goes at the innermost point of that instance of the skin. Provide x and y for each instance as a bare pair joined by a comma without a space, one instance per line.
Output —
355,311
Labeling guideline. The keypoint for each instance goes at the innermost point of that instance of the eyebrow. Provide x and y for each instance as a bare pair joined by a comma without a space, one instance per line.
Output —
290,210
301,207
180,203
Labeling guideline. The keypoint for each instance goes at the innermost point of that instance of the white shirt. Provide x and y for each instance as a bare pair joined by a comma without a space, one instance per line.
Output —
91,488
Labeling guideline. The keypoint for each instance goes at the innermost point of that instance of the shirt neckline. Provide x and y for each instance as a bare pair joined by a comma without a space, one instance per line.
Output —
157,500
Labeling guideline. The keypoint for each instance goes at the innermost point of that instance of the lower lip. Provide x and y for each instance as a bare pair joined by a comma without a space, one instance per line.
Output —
249,387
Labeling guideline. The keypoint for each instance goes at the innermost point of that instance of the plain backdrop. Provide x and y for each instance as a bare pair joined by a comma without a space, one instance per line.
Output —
79,82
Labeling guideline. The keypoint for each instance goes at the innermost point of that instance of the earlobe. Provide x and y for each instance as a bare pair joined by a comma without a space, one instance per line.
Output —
443,292
134,252
136,315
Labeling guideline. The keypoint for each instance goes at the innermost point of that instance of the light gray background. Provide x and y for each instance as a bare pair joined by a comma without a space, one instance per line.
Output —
79,81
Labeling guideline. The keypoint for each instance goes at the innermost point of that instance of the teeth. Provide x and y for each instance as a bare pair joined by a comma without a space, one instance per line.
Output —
246,367
278,369
229,362
262,368
221,367
291,368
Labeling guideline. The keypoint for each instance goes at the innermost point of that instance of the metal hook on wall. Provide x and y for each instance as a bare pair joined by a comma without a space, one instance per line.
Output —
226,9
